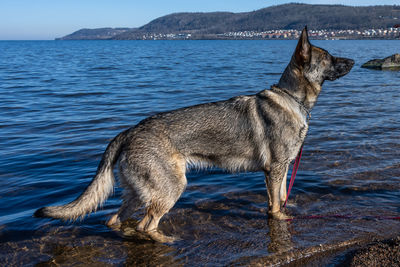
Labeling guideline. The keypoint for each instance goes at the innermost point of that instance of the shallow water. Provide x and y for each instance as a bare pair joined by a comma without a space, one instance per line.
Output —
63,101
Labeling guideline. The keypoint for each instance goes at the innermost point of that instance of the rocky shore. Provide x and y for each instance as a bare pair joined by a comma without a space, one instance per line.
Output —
377,253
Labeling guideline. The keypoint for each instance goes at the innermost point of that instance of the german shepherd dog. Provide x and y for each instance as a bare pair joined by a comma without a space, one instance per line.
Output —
261,132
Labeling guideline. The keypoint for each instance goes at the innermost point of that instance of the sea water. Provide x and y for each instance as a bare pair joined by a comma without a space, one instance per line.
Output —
61,102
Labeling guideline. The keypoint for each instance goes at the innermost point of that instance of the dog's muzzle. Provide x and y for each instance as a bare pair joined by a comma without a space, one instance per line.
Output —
342,66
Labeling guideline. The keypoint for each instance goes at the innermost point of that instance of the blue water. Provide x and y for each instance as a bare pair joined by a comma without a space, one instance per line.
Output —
63,101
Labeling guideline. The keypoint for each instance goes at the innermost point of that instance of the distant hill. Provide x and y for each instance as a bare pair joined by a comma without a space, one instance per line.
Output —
287,16
94,34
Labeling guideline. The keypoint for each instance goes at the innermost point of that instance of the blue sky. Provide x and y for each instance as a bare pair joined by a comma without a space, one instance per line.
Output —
47,19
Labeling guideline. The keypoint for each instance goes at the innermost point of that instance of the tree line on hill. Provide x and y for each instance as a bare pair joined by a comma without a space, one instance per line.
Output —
287,16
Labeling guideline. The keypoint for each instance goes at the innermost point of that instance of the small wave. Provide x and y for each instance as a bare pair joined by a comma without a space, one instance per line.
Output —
272,73
49,80
25,86
103,68
16,78
74,95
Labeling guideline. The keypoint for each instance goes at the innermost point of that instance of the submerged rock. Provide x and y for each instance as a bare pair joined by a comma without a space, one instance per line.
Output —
391,62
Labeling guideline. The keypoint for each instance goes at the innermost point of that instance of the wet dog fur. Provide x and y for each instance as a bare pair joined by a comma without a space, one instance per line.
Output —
261,132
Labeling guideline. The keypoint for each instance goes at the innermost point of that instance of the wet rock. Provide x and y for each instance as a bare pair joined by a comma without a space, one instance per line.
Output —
391,62
380,253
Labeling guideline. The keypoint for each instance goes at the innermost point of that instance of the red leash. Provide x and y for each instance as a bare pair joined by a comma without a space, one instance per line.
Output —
294,172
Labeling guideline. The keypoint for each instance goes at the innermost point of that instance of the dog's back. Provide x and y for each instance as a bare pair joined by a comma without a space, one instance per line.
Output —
261,132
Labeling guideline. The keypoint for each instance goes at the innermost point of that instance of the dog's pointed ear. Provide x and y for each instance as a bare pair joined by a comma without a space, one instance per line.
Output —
303,49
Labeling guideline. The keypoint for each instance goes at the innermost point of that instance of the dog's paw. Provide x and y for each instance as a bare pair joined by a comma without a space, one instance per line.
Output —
160,237
280,216
132,233
114,222
154,235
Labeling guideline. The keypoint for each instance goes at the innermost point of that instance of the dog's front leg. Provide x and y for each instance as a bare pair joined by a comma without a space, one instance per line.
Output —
274,178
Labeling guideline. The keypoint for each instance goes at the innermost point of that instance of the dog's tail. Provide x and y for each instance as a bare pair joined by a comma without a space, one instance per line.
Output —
96,193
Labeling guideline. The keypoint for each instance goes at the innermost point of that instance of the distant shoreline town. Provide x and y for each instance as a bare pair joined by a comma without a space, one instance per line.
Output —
390,33
328,22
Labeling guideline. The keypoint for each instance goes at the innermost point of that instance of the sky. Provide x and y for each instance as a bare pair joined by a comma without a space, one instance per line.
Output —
48,19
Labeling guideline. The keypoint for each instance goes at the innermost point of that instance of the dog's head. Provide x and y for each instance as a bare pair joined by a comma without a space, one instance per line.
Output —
317,64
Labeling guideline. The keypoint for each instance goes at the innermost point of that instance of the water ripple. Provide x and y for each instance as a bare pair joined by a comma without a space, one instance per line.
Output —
62,102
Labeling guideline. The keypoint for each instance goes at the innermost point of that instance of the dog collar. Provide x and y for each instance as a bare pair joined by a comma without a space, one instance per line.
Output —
278,90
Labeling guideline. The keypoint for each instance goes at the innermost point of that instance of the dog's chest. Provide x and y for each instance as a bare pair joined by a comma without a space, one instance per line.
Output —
295,146
303,132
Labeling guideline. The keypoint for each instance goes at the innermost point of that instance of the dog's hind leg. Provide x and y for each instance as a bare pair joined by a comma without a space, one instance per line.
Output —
130,202
164,197
158,208
268,192
129,205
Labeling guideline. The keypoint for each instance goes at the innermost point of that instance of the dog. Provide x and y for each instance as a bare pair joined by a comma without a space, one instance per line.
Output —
261,132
